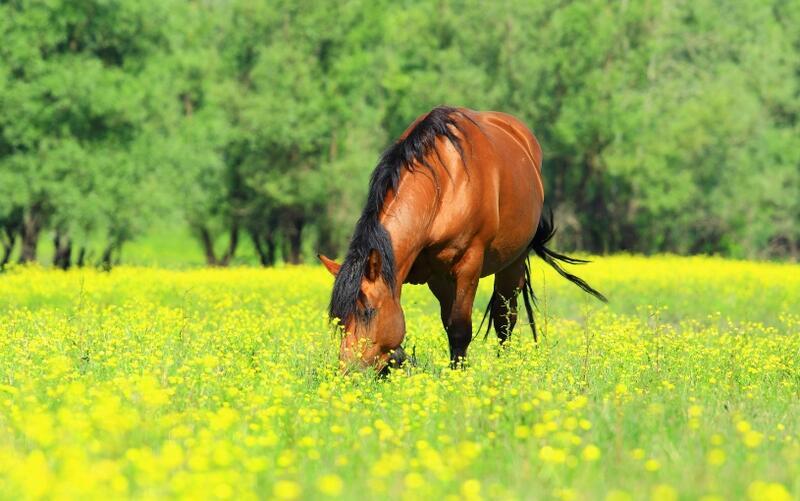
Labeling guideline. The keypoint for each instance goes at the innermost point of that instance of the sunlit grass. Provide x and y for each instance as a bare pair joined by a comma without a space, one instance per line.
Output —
223,384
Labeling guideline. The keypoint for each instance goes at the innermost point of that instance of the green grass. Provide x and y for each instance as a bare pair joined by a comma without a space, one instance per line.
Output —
224,383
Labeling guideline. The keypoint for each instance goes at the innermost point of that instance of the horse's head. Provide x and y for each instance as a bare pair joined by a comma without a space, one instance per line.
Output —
374,326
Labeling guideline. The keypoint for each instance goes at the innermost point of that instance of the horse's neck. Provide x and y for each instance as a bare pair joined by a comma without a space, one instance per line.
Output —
407,217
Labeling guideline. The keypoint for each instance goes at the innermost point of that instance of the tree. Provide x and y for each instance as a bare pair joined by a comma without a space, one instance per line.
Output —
76,94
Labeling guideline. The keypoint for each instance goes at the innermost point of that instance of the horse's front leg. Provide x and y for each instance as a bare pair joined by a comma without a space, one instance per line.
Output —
459,326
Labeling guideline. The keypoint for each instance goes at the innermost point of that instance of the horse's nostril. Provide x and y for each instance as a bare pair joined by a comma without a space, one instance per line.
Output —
397,357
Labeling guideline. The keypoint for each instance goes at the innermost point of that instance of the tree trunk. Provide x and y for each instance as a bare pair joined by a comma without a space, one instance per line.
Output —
208,246
294,237
8,246
105,259
272,247
327,244
81,257
266,255
6,255
62,258
232,244
31,226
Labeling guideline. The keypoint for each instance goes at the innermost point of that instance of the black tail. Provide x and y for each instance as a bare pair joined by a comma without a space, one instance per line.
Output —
544,233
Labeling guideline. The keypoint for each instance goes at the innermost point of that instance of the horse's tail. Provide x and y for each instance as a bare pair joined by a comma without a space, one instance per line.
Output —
544,233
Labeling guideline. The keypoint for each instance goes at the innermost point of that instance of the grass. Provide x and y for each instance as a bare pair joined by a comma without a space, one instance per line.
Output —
149,382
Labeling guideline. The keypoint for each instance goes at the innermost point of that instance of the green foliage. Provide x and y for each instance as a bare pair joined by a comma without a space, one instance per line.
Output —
666,126
78,99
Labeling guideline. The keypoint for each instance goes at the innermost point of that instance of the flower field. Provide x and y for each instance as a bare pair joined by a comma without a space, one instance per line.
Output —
152,383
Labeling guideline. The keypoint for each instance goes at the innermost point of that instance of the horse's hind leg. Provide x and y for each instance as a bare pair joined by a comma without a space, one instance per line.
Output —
507,285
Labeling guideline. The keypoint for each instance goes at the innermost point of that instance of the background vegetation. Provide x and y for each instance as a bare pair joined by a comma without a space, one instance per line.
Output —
667,125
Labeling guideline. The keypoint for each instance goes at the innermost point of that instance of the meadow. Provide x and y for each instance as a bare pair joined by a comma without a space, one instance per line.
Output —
223,383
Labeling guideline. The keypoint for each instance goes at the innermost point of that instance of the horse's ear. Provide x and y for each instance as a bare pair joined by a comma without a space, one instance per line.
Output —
330,264
373,269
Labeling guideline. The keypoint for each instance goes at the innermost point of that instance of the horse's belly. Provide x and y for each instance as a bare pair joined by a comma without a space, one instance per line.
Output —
500,255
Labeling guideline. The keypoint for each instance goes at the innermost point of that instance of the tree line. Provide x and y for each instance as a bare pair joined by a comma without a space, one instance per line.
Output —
667,126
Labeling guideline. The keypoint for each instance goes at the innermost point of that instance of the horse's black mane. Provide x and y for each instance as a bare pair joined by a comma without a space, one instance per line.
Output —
369,232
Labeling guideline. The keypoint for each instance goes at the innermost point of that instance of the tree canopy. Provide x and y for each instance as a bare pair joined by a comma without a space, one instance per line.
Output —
666,126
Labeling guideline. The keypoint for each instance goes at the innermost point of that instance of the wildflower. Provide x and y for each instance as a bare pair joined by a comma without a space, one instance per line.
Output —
652,465
715,457
695,411
414,481
330,485
752,439
766,491
591,453
471,489
286,489
552,455
663,492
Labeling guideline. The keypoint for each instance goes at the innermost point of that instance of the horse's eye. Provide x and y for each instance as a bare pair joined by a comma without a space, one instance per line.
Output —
366,314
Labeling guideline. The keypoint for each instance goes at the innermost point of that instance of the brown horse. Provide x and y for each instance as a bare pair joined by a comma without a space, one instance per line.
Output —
458,197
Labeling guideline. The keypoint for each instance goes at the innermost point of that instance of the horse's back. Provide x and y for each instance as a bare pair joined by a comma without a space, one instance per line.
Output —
489,199
498,123
508,154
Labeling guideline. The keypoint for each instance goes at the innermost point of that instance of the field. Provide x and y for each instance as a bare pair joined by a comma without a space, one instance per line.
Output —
146,383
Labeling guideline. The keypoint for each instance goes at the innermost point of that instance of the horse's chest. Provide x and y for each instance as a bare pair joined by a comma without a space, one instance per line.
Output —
433,261
421,270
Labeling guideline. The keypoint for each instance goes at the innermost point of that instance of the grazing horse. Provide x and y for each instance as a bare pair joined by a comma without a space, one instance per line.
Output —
458,197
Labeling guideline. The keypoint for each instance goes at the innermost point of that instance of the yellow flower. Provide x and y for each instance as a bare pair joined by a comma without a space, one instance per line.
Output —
715,457
286,489
38,478
330,485
471,489
578,402
39,427
550,454
414,480
171,455
663,492
752,439
591,453
652,465
765,491
565,494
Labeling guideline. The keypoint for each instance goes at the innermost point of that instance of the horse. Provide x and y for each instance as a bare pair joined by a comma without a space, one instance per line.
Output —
457,197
